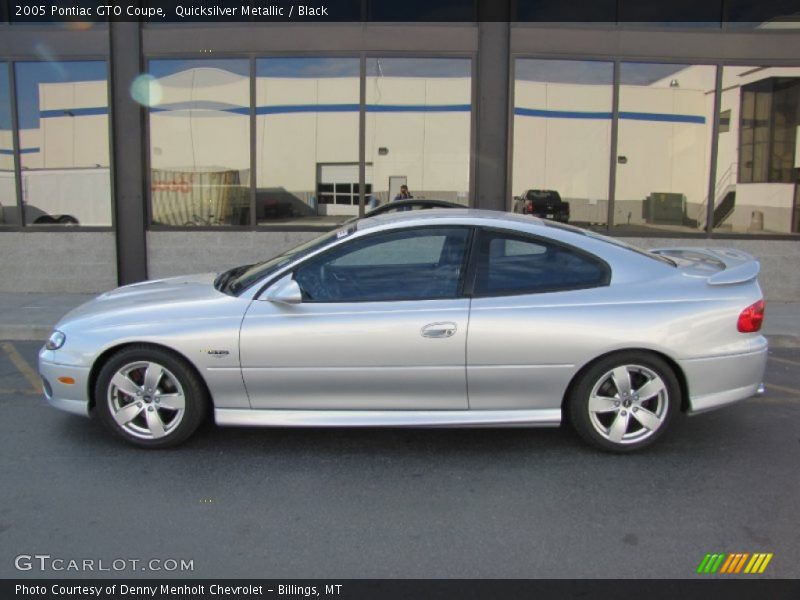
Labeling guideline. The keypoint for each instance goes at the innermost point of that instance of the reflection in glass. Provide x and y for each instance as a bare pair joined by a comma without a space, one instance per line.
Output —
674,14
557,11
307,140
758,160
663,153
756,14
199,141
8,191
64,144
418,129
421,10
562,136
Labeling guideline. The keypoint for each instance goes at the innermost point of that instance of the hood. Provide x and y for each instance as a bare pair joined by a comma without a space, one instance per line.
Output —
170,297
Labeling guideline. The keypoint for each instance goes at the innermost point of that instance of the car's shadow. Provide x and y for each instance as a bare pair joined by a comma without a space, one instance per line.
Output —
686,437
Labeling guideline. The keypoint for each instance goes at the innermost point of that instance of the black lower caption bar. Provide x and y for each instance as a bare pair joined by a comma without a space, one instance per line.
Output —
390,589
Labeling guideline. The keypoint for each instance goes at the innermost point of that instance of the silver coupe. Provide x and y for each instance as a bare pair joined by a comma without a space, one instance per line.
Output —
440,318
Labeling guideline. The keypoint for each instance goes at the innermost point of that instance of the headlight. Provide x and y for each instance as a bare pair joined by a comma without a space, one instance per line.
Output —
55,341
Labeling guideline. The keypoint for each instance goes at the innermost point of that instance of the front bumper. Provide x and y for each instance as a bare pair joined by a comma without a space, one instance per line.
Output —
74,397
718,381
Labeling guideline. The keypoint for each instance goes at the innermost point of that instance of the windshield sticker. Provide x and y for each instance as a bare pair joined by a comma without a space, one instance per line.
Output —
344,233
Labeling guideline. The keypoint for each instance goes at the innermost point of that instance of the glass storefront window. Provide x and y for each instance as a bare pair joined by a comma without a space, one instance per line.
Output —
754,14
418,129
199,119
8,188
666,114
307,113
422,10
562,137
758,159
64,142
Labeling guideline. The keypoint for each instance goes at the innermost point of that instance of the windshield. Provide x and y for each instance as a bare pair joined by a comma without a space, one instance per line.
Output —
543,195
238,279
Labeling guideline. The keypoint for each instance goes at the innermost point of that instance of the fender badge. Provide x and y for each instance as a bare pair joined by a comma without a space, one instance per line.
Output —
217,353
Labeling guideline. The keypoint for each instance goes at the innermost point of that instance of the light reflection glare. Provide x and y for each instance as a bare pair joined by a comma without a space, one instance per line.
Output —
146,90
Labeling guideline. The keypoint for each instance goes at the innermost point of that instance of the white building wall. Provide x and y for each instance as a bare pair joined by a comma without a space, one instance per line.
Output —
30,140
569,155
8,198
290,145
72,140
6,146
432,149
669,157
186,138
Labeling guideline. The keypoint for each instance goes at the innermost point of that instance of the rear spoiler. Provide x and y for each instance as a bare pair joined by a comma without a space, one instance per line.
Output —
720,266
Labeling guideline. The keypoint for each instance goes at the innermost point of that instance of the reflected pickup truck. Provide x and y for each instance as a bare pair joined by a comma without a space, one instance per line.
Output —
545,204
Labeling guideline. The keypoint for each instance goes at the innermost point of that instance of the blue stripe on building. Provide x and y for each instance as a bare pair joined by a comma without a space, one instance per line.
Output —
7,152
632,116
74,112
665,117
305,108
560,114
385,108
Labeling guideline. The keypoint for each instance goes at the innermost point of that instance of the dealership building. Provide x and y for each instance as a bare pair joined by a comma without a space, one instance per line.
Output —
132,151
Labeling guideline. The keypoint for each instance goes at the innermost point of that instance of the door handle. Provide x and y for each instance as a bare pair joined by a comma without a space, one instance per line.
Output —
439,330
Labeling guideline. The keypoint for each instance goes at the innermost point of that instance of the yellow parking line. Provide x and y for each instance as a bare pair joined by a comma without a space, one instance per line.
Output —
785,360
22,366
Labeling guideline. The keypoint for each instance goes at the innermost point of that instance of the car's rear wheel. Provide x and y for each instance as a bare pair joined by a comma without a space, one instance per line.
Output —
625,401
150,397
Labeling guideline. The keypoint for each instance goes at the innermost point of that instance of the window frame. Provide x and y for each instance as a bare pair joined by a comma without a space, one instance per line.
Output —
466,263
525,47
21,227
154,52
514,57
481,232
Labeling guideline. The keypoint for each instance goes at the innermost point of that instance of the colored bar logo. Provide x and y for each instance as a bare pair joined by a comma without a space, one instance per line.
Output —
734,563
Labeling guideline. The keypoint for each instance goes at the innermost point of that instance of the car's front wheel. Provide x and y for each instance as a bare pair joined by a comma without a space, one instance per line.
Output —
624,402
150,397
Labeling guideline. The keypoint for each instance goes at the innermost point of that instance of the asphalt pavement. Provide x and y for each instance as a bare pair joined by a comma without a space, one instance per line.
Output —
306,503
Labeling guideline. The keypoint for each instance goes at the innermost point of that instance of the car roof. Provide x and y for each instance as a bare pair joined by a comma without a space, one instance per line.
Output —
627,262
434,215
421,201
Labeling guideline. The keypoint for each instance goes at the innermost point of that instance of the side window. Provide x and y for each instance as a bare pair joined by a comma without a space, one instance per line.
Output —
510,264
418,264
425,250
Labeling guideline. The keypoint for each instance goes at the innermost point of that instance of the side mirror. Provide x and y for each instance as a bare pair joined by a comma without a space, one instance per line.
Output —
285,291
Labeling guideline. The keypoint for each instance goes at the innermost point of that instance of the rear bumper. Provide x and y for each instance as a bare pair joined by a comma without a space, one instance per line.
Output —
71,398
718,381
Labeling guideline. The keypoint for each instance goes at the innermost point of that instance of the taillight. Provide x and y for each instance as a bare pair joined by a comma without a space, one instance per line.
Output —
751,318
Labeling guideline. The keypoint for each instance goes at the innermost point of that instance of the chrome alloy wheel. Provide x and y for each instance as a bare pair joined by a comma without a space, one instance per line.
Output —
628,404
146,400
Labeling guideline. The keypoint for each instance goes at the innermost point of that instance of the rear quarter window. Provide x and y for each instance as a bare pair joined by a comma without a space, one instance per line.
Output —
509,264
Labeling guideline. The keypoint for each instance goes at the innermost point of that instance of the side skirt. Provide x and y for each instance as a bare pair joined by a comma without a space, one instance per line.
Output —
549,417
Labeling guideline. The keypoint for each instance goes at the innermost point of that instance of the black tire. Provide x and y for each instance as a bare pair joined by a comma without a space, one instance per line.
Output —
149,408
641,420
67,220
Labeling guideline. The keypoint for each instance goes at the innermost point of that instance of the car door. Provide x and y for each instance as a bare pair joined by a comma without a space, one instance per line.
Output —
382,325
531,321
